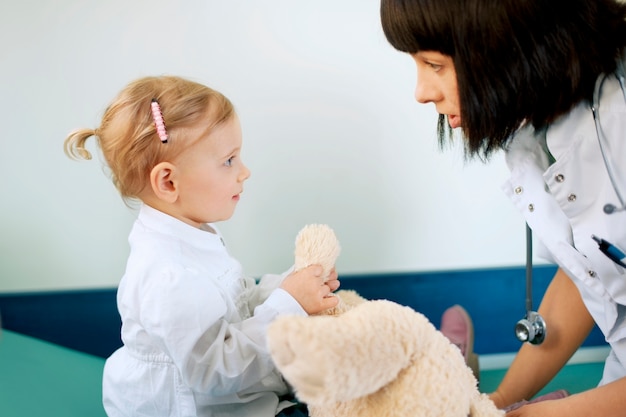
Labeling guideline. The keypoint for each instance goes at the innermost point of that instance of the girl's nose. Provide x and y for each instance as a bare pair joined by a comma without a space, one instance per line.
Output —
245,173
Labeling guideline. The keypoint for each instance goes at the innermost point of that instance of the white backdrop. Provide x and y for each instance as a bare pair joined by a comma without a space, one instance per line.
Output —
332,134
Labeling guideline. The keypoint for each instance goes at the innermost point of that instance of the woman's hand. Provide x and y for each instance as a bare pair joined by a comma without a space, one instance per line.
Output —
497,399
552,408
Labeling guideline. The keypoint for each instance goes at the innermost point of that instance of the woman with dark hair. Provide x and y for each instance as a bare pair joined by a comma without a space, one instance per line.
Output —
542,81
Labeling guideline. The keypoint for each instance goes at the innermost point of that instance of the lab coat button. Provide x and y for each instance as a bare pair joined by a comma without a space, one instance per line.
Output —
531,207
591,273
571,198
559,178
519,190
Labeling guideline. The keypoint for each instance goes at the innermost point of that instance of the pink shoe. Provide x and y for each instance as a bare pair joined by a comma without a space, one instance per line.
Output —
457,326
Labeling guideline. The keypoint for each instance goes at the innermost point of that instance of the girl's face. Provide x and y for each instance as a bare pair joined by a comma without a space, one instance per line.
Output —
436,83
211,176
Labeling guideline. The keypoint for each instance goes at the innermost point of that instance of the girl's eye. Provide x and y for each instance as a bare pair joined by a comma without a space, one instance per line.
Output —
229,161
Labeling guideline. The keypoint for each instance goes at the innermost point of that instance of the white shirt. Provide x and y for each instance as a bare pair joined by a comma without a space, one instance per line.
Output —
193,327
563,204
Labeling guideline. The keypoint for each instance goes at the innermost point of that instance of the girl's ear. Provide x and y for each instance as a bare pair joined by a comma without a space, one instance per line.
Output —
162,181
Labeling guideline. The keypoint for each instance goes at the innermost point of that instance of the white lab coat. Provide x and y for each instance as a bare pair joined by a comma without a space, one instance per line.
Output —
193,327
563,205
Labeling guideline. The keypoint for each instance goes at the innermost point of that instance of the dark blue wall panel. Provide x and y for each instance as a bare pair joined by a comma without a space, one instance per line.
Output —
88,320
494,298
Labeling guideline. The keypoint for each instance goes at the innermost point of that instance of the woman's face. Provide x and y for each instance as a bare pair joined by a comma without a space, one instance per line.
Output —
436,83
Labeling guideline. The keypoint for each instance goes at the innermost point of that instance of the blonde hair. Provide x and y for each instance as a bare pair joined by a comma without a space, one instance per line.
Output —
128,136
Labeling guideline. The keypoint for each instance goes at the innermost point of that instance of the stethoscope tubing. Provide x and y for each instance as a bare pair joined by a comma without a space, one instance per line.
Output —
595,109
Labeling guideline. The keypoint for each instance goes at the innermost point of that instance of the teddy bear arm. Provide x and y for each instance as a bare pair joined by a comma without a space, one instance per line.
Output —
340,358
370,345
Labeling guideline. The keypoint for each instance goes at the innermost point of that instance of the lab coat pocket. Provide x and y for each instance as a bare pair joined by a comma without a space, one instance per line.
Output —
612,230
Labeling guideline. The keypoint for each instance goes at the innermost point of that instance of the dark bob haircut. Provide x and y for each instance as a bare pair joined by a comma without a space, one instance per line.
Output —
517,61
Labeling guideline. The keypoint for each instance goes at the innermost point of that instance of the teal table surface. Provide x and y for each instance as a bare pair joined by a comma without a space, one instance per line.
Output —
38,378
573,378
43,379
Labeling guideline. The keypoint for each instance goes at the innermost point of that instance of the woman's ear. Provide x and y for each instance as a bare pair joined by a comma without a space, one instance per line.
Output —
163,182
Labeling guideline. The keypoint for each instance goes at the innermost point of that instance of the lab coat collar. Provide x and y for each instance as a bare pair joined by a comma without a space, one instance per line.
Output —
163,223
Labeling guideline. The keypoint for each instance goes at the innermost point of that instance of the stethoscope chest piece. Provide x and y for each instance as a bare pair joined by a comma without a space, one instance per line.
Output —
531,329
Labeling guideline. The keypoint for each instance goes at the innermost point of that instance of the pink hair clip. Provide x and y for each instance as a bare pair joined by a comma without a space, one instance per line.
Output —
158,120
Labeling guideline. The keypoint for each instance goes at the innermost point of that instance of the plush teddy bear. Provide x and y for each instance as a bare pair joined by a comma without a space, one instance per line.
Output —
317,244
371,358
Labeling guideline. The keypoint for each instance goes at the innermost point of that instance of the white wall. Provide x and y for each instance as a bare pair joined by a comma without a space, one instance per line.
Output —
331,134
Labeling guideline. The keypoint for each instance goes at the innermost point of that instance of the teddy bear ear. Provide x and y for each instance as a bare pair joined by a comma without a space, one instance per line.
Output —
316,244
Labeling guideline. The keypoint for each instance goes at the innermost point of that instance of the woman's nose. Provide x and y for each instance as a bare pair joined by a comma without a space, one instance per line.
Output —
424,92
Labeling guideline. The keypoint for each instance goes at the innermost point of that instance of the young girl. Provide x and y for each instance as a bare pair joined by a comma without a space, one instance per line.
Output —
193,326
543,81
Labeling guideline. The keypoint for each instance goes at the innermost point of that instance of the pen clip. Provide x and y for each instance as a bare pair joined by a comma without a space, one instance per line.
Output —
611,251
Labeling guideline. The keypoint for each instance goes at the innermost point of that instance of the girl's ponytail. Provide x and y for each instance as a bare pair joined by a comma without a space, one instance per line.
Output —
74,144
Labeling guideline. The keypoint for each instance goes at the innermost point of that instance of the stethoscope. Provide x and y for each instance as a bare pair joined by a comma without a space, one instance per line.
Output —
532,328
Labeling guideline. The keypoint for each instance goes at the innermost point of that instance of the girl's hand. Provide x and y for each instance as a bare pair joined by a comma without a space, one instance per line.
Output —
333,280
307,286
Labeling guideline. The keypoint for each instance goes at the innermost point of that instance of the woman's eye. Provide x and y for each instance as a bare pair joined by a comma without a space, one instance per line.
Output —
435,67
